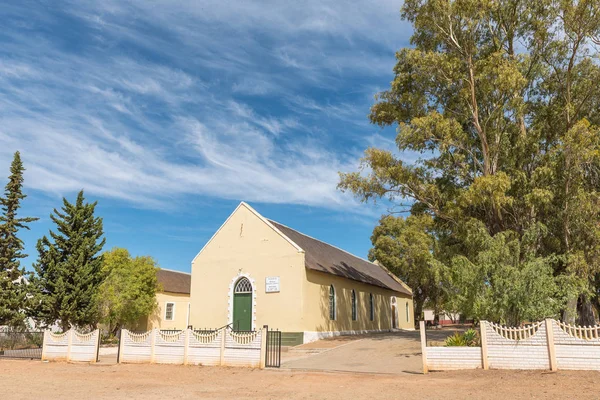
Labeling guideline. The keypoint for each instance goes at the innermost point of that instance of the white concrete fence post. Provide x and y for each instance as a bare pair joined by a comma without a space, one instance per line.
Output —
153,345
551,348
122,335
70,343
423,345
44,344
263,346
186,345
223,334
484,350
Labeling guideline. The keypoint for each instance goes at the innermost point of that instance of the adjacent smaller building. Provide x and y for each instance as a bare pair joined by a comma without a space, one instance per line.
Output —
173,311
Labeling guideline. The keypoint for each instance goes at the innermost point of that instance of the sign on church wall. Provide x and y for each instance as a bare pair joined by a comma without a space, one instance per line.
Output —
272,284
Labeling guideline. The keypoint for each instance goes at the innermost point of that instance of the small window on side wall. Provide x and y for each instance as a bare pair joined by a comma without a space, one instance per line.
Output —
371,307
169,311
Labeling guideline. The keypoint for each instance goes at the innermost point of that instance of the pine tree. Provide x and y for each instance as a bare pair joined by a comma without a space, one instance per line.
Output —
12,285
69,267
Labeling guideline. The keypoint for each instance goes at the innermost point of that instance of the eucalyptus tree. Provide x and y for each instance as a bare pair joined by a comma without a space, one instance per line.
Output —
501,100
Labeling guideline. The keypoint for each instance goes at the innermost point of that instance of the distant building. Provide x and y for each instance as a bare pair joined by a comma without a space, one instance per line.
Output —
173,300
256,272
445,317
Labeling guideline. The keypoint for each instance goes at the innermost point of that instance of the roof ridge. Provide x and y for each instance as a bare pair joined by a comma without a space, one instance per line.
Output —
172,270
328,244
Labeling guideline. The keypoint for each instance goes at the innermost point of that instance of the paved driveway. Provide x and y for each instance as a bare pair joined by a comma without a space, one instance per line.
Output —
397,352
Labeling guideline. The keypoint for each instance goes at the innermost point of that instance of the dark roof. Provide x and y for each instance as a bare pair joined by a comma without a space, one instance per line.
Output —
323,257
174,281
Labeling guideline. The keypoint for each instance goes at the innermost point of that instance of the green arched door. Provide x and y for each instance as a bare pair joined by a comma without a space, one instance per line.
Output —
242,305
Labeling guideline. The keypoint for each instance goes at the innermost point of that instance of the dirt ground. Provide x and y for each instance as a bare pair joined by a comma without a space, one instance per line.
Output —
35,379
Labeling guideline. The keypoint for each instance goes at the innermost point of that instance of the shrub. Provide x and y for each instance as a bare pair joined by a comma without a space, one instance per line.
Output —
470,338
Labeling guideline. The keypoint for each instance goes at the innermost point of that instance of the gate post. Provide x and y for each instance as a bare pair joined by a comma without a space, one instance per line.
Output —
120,349
98,345
484,349
423,345
550,340
263,346
44,343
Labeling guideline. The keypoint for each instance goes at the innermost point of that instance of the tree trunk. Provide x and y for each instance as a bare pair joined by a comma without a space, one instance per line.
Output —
569,314
586,312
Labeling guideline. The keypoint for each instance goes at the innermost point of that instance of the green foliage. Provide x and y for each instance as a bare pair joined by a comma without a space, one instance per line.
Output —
68,271
469,338
407,248
129,291
12,286
455,340
501,102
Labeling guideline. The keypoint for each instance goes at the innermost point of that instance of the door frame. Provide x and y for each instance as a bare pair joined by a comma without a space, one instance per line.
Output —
230,298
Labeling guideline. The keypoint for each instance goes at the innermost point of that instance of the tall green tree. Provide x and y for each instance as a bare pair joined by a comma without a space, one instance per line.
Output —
407,247
129,291
12,284
500,99
68,271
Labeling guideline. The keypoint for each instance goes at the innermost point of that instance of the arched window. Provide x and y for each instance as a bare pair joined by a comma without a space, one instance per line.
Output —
371,307
407,312
331,303
353,305
243,286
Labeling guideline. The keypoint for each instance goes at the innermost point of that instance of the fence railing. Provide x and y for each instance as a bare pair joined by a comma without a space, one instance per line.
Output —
196,347
26,345
548,344
273,349
71,346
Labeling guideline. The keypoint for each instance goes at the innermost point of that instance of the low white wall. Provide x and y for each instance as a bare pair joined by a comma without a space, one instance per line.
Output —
221,347
135,347
573,352
243,349
451,358
56,346
205,348
71,346
549,344
530,353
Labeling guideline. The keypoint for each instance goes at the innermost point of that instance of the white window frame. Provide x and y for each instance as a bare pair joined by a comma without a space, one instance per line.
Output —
172,312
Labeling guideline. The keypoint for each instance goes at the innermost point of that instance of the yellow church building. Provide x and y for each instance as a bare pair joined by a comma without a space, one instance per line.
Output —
256,272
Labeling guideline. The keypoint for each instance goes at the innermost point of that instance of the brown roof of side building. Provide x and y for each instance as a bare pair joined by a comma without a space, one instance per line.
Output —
174,281
323,257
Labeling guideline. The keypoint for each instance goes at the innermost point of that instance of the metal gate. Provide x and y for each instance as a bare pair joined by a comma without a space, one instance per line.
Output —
273,356
26,345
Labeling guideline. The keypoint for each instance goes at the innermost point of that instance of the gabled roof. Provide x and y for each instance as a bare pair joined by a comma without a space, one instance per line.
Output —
174,281
323,257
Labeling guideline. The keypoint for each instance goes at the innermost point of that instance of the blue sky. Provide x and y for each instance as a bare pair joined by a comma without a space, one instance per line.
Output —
169,113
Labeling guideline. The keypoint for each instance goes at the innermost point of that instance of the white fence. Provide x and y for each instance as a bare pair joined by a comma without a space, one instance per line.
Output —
71,346
222,347
549,344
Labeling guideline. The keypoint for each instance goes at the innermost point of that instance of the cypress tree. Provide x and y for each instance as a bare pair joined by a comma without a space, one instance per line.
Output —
69,267
12,285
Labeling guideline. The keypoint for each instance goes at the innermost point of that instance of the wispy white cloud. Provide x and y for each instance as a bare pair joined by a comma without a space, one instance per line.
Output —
150,101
